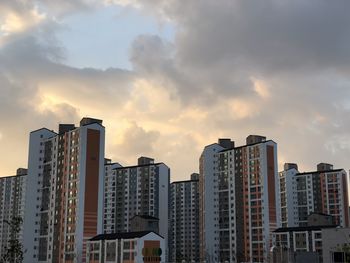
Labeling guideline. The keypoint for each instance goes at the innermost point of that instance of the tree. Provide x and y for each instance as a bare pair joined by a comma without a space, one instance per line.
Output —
14,250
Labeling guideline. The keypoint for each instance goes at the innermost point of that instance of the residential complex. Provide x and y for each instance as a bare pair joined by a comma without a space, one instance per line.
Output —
12,198
322,191
238,199
142,189
184,220
64,193
78,206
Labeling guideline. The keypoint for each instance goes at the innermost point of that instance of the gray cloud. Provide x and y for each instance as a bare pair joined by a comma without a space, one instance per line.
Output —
299,49
136,142
279,68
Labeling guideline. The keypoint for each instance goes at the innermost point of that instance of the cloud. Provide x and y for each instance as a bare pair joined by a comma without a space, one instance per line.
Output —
133,142
276,68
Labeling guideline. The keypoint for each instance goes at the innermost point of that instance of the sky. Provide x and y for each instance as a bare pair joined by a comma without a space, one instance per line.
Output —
169,77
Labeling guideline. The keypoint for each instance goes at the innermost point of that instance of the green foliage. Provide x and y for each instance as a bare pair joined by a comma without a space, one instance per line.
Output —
14,250
343,248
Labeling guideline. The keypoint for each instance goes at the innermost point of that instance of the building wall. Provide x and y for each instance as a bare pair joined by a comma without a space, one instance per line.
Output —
12,200
260,188
238,201
136,190
62,170
109,198
139,223
320,191
132,250
288,210
184,221
33,194
292,246
333,240
208,198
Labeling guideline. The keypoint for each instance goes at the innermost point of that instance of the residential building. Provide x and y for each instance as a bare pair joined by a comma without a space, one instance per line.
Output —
12,199
299,244
289,216
184,220
130,247
142,189
144,223
323,191
336,245
238,189
64,192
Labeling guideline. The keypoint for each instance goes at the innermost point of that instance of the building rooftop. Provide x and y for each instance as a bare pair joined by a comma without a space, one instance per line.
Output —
319,172
135,166
302,228
242,146
185,181
124,235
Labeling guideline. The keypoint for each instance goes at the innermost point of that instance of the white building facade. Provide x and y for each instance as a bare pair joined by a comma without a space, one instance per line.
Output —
322,191
184,220
131,247
240,213
64,192
288,211
142,189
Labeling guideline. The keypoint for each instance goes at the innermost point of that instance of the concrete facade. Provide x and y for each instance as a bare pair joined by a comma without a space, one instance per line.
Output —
142,189
296,244
12,201
322,191
131,247
335,240
239,202
64,192
184,220
144,223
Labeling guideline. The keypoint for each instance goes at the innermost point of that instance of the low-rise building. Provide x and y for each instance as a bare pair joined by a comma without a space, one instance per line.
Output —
336,245
128,247
299,244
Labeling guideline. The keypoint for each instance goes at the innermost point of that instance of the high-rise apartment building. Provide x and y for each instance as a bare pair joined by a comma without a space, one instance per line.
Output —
64,193
286,205
322,191
12,198
238,197
184,220
142,189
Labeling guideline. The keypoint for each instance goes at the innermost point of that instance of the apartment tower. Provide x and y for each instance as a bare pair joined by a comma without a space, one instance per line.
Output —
184,220
141,190
64,191
322,191
287,192
12,199
238,197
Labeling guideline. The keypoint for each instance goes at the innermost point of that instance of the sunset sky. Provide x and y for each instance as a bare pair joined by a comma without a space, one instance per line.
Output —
171,76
